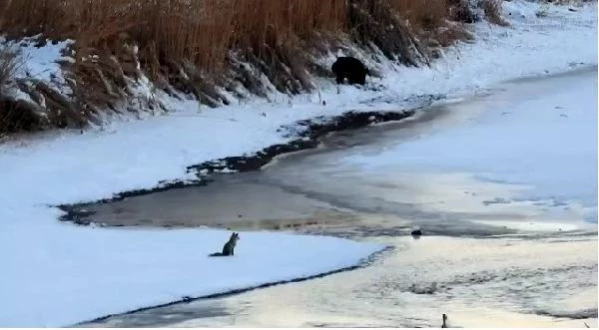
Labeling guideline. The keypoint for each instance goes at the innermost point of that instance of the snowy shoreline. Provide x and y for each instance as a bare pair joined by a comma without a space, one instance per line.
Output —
309,138
361,263
69,273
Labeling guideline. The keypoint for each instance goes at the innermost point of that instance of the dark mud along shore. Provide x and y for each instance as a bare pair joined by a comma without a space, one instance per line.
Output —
303,135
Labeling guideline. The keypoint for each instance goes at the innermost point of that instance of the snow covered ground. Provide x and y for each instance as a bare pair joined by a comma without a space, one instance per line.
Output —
57,274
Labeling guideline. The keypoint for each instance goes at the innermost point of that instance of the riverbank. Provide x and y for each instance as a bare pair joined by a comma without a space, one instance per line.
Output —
492,284
67,167
495,250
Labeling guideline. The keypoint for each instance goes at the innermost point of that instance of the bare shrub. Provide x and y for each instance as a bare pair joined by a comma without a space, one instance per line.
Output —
10,62
437,21
377,23
15,114
462,11
492,9
450,34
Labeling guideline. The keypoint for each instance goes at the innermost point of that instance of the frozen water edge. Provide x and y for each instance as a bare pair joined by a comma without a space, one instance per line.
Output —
73,274
57,274
542,142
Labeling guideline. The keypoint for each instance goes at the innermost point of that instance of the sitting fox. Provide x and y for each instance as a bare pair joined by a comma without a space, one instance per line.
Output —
229,248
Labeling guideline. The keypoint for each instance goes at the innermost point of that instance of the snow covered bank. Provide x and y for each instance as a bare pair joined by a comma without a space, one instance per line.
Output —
57,274
160,148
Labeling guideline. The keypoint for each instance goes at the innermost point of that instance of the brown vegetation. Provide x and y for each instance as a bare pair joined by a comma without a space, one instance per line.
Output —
18,113
194,45
10,116
492,9
9,63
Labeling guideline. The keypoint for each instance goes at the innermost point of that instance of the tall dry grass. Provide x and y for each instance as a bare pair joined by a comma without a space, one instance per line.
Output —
492,10
201,31
10,61
426,14
193,45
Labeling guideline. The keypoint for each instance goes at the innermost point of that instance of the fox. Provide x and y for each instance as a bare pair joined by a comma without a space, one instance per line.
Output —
228,248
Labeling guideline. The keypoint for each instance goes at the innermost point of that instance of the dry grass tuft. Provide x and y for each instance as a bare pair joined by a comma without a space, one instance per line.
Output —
13,116
10,61
425,14
492,9
372,22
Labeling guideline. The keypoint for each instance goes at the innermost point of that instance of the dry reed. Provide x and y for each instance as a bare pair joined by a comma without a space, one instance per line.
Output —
192,45
492,9
200,31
